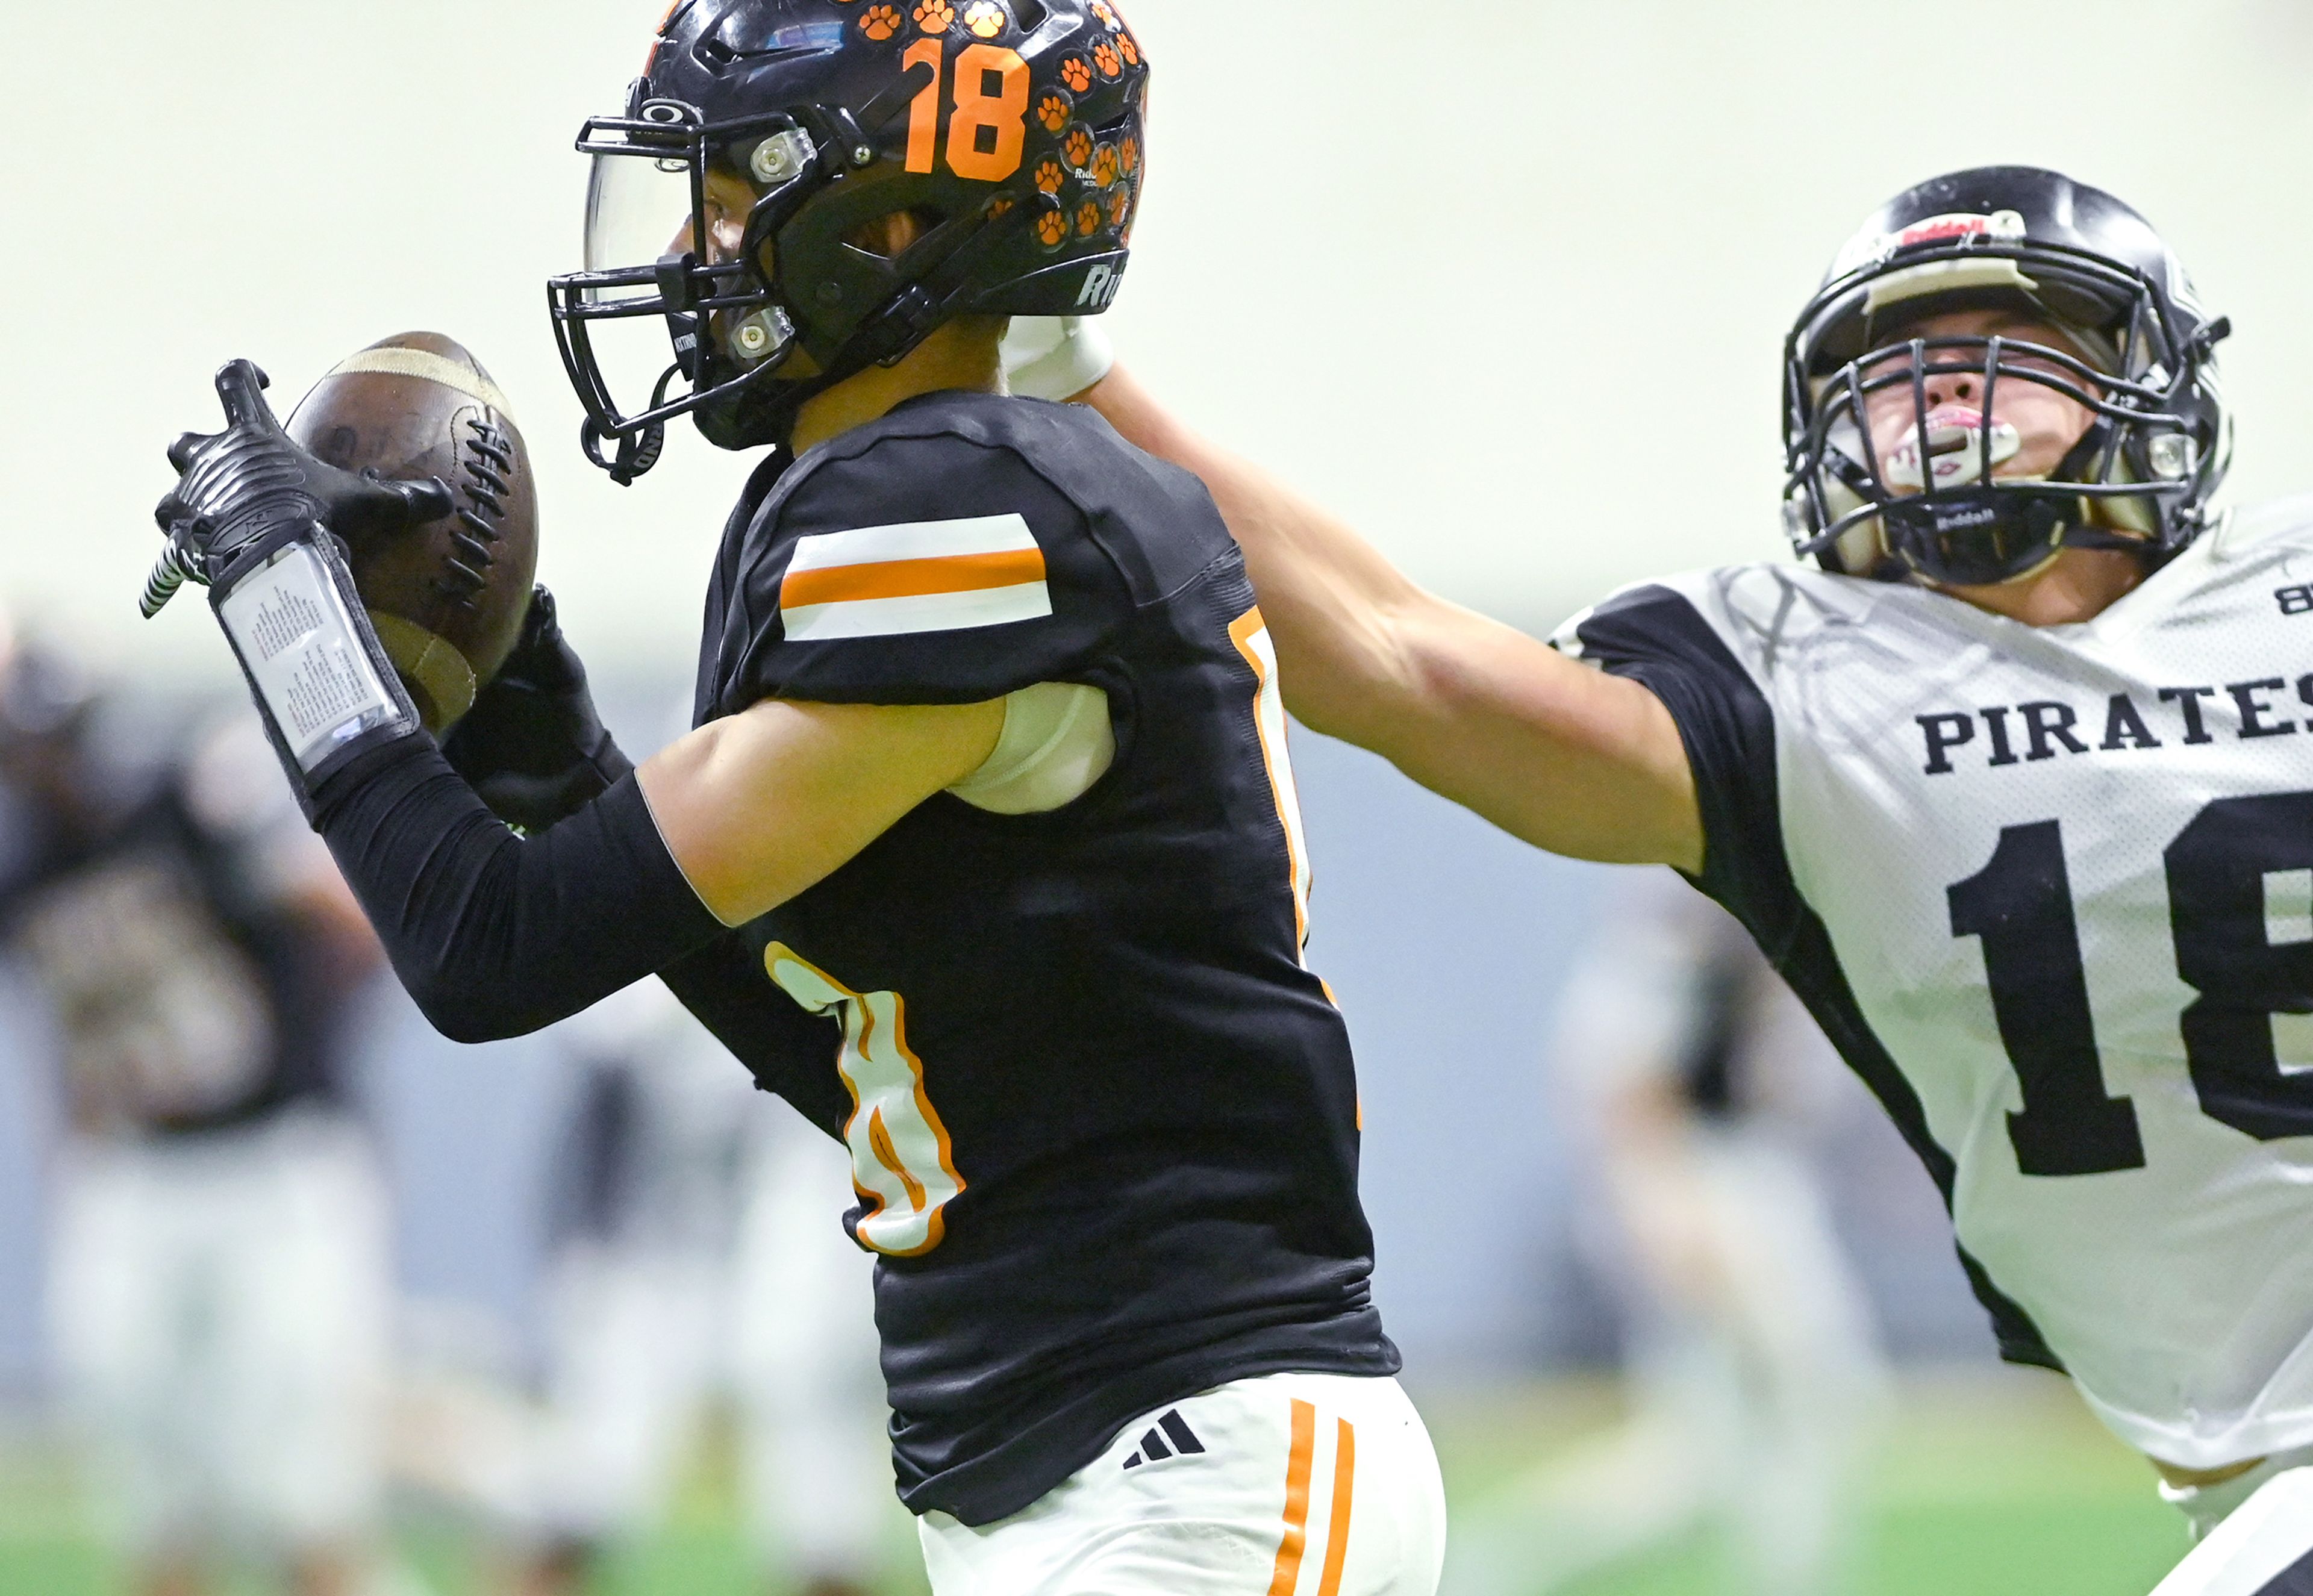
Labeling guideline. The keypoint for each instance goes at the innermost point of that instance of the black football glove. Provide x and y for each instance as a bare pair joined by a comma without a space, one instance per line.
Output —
245,491
532,745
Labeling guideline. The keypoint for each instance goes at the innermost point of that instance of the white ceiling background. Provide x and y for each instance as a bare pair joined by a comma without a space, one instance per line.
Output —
1504,281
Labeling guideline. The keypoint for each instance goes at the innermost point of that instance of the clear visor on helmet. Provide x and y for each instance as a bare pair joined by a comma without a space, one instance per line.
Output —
639,208
645,209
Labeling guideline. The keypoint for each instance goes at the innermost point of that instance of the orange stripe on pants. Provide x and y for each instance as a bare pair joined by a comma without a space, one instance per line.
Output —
1337,1534
1297,1501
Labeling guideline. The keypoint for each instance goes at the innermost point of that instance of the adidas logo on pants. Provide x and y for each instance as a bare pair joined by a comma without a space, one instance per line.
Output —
1287,1485
1154,1447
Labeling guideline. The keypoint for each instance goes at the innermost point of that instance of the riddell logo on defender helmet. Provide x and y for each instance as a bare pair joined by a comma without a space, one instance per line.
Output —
1952,227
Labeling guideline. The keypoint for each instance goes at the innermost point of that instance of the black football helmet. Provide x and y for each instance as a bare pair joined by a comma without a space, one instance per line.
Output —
1932,508
764,134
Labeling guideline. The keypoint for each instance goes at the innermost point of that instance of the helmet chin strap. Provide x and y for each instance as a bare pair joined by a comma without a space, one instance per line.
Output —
639,450
770,411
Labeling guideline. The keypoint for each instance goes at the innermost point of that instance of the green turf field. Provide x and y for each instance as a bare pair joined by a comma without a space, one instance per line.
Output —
1986,1485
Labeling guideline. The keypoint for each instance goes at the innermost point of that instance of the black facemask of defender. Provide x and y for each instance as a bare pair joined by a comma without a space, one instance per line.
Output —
1943,510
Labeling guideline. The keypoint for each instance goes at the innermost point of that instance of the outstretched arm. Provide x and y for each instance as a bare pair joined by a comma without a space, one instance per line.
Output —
1565,756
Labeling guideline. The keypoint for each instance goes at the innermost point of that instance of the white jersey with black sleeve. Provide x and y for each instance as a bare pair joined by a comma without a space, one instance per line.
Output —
2050,891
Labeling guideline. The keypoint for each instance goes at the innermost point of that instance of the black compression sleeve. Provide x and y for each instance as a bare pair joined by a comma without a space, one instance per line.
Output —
496,936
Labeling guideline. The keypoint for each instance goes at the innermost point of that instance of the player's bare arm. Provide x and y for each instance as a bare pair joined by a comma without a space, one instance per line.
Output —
1566,758
1569,759
758,806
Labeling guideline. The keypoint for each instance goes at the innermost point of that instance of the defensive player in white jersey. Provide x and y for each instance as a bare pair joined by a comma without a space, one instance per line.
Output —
2014,783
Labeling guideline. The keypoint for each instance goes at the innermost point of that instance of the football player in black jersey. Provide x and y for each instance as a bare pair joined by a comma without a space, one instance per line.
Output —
985,852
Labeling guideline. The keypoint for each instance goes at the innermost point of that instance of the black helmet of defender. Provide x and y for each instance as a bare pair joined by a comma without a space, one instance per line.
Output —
1013,129
1932,507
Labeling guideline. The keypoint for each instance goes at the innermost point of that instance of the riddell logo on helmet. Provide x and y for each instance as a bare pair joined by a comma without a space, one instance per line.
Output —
1958,224
1952,227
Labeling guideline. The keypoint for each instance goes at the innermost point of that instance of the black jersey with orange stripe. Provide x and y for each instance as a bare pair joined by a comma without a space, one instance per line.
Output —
1103,1119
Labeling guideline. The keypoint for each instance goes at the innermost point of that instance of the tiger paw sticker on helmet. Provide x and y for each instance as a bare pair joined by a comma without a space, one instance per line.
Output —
1055,110
880,22
1076,74
1078,150
1050,176
1108,58
935,16
1052,227
985,19
1107,166
1088,218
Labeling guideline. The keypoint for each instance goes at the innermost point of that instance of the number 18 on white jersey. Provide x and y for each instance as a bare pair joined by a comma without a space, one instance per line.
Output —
2050,892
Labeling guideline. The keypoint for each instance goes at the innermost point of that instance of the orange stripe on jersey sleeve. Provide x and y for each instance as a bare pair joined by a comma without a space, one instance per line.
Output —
1296,1540
910,579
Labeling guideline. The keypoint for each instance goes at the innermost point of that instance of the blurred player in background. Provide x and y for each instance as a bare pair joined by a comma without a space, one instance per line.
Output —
814,1428
1701,1085
221,1287
692,1258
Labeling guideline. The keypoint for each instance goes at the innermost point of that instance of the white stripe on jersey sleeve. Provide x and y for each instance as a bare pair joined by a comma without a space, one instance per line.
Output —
913,540
917,612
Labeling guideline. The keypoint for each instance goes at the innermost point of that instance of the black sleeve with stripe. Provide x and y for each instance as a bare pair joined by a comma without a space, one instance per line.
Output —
1655,636
908,617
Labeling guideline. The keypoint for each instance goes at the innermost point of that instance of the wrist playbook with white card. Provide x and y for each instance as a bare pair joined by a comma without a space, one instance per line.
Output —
313,663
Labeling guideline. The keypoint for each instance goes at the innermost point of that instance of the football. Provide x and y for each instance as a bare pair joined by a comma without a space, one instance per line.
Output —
447,597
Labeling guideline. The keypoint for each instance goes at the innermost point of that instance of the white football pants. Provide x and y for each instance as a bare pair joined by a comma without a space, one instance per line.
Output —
2264,1547
1287,1485
2207,1506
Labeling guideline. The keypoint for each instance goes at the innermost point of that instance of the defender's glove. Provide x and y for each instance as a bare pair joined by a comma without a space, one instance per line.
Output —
1055,357
251,518
532,745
